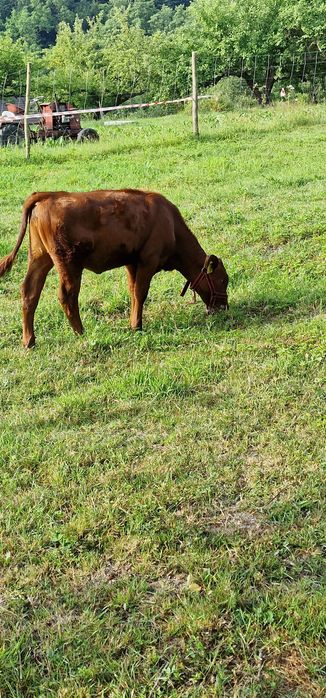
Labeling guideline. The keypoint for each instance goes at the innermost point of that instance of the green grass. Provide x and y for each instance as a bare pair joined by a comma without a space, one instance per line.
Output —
162,493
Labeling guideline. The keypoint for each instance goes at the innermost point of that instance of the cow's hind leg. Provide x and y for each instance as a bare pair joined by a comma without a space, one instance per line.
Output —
38,269
70,280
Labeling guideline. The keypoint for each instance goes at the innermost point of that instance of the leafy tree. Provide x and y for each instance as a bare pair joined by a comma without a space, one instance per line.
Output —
37,21
116,60
257,38
12,66
137,13
167,19
108,50
125,54
302,26
155,66
75,64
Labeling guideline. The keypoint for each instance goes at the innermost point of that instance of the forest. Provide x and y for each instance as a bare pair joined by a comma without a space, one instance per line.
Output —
108,52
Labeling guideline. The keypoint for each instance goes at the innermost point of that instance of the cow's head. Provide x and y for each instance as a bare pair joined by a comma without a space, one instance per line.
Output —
216,280
211,284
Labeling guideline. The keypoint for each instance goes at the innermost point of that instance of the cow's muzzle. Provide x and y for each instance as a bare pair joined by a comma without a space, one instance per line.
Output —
221,304
218,300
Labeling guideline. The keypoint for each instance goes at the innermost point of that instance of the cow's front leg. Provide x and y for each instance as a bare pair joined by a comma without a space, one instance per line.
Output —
131,276
144,276
70,281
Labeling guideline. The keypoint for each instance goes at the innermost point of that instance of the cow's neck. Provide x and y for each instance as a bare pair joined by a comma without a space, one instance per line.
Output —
191,258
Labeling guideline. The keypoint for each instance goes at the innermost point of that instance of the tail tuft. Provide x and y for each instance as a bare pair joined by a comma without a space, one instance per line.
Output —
6,264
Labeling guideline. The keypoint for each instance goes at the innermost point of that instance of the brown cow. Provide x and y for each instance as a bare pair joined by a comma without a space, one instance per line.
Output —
102,230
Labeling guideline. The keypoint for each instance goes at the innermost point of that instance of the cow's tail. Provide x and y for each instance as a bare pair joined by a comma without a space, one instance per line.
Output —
7,262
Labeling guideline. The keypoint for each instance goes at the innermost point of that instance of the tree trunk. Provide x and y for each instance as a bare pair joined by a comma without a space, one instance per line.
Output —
270,80
254,88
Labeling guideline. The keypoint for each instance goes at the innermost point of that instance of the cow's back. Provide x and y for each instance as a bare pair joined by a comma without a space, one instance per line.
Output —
106,228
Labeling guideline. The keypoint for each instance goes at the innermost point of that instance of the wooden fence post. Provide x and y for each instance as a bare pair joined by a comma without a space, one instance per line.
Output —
26,126
195,128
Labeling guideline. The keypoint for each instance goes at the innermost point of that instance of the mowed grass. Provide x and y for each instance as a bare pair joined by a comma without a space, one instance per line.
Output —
163,493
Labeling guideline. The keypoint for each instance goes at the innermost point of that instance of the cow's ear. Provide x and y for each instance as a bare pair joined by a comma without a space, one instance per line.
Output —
211,262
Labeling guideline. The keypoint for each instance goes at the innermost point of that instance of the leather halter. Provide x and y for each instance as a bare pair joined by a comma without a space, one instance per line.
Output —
215,295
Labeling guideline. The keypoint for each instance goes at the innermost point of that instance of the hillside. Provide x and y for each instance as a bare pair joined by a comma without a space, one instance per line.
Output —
40,19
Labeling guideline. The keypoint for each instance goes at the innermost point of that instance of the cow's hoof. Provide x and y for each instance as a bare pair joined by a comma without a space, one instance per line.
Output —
30,343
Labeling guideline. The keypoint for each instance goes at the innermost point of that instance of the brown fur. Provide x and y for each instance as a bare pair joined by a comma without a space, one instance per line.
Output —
101,230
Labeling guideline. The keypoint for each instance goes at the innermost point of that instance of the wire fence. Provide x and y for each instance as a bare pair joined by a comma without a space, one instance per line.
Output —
262,78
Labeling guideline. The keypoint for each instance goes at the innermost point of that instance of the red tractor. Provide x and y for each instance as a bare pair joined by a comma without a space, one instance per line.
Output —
54,122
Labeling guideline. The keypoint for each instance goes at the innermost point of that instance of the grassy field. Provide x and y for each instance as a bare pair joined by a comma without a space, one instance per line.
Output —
163,493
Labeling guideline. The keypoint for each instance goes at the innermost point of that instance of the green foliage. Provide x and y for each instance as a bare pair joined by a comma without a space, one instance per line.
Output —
110,50
168,19
232,93
83,80
12,55
302,26
126,53
12,65
114,64
138,13
258,38
36,21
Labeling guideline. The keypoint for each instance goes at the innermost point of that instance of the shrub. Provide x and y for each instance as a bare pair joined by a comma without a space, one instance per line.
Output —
231,93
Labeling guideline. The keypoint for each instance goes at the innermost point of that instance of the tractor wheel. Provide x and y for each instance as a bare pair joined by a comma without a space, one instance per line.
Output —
11,134
87,134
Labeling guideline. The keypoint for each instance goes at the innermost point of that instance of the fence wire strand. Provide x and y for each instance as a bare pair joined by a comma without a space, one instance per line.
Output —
305,73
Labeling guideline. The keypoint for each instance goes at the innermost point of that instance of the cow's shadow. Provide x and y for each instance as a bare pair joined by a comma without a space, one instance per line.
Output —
164,321
193,327
262,311
250,311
